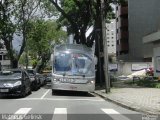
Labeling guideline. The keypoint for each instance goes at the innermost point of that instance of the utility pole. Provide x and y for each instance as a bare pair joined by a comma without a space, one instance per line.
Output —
107,78
26,57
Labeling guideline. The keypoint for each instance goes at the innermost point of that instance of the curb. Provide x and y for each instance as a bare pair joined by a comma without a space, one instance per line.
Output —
124,105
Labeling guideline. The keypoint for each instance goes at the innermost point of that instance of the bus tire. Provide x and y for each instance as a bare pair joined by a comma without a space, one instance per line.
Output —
53,92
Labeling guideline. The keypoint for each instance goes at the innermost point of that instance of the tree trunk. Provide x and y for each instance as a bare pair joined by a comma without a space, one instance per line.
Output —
14,63
100,78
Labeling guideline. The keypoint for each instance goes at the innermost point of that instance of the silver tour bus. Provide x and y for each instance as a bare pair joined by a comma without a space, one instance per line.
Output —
73,68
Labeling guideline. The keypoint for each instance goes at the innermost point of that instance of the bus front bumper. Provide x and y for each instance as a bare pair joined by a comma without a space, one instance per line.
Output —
73,87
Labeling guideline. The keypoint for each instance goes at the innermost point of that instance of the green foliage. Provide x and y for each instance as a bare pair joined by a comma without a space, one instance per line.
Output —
79,15
48,9
40,37
22,59
145,83
157,85
42,34
14,17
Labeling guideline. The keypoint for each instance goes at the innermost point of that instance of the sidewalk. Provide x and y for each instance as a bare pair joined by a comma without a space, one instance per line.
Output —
140,99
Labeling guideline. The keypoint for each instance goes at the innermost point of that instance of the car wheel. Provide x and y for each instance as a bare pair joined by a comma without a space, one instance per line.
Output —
23,92
30,91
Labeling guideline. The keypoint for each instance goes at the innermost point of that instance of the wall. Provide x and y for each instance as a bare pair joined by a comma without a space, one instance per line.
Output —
126,68
156,51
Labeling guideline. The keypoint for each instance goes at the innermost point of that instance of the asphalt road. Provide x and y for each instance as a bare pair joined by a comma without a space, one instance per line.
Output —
42,105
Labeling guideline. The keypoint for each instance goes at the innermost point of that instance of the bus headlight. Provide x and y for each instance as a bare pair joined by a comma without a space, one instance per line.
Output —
55,79
91,81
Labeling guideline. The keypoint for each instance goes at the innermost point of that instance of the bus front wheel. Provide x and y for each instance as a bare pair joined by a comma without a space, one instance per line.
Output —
54,92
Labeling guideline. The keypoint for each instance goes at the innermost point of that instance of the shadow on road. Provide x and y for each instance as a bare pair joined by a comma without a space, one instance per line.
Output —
12,96
68,93
47,86
73,94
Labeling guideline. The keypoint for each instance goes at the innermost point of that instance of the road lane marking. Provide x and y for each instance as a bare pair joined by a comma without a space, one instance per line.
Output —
61,99
60,114
114,114
44,94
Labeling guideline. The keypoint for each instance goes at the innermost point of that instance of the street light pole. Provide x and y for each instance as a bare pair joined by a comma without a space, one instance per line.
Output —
107,78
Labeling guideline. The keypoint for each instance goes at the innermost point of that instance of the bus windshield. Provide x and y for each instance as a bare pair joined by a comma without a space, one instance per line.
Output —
73,64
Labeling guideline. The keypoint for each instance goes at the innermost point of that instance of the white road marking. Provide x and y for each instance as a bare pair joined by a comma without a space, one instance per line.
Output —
114,114
23,111
60,111
61,99
60,114
110,111
45,94
20,114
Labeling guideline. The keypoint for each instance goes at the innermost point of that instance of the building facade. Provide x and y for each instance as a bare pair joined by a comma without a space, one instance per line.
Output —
143,19
122,30
111,37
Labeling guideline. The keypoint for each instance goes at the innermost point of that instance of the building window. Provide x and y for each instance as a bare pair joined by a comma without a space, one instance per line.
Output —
117,30
117,8
0,57
117,42
117,19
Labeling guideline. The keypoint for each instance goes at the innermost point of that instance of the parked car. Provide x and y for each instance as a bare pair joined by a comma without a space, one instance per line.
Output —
15,82
35,81
42,78
48,77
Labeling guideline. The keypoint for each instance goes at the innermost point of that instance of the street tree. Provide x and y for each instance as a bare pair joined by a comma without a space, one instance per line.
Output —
14,18
78,16
42,35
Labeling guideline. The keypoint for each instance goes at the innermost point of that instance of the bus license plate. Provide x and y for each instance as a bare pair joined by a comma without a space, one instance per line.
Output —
4,90
73,87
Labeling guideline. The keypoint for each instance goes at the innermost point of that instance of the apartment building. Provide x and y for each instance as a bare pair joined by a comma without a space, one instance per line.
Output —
111,36
122,34
143,19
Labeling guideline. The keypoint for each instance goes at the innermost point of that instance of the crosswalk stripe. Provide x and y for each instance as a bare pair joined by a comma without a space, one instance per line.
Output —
114,114
19,114
60,114
60,111
110,111
23,111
